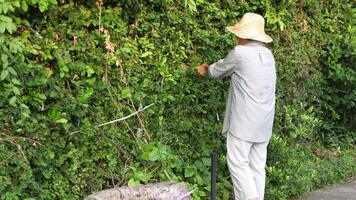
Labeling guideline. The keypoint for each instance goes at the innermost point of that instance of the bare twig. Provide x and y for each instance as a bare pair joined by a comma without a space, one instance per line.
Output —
125,122
141,122
128,116
19,148
14,138
10,156
99,4
120,119
36,33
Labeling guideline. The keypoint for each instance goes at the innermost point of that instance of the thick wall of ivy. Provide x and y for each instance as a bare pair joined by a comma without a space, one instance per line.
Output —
68,66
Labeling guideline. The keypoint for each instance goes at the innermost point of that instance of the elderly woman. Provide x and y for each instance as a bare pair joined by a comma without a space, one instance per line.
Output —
251,103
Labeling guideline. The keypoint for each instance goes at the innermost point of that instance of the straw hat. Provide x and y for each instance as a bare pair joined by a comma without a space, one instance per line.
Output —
251,26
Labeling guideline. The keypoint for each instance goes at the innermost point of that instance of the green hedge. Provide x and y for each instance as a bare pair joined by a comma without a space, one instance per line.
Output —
70,65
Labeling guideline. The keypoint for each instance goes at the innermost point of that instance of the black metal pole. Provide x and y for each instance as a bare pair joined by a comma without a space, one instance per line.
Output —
214,166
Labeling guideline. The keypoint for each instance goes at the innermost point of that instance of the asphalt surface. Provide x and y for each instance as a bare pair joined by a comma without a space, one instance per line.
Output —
342,191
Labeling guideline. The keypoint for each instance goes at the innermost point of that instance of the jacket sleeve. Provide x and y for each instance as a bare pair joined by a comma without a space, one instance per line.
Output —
225,67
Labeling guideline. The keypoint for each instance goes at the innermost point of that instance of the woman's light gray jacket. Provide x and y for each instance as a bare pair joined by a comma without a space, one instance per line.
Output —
250,107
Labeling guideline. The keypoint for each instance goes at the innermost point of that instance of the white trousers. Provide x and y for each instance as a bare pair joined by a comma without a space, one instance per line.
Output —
246,162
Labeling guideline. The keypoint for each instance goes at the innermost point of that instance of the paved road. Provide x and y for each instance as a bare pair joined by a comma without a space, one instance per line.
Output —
343,191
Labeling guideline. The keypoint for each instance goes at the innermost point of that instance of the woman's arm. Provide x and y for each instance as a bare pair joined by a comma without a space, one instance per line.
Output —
224,67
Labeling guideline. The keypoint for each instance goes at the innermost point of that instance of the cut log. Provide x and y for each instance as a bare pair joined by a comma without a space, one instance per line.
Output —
157,191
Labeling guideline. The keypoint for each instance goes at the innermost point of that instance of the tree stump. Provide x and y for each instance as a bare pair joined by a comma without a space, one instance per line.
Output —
156,191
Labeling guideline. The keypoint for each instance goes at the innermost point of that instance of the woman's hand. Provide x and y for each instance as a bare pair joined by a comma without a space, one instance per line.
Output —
203,69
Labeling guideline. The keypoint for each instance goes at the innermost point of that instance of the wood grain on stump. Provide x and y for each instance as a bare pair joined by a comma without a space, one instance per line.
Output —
157,191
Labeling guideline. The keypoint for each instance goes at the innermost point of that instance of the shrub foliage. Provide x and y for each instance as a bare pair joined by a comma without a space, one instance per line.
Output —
68,66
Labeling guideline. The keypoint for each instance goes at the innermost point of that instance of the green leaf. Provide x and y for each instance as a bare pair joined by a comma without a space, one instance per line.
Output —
90,71
51,154
43,5
141,176
2,28
132,183
15,81
6,23
112,164
4,74
54,112
5,7
13,101
62,121
206,161
16,3
16,90
24,6
147,53
126,93
153,155
16,46
2,38
41,97
11,27
189,171
87,94
12,71
191,5
53,2
4,59
25,114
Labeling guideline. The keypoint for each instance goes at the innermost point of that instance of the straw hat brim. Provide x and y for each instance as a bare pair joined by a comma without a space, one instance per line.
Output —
245,34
